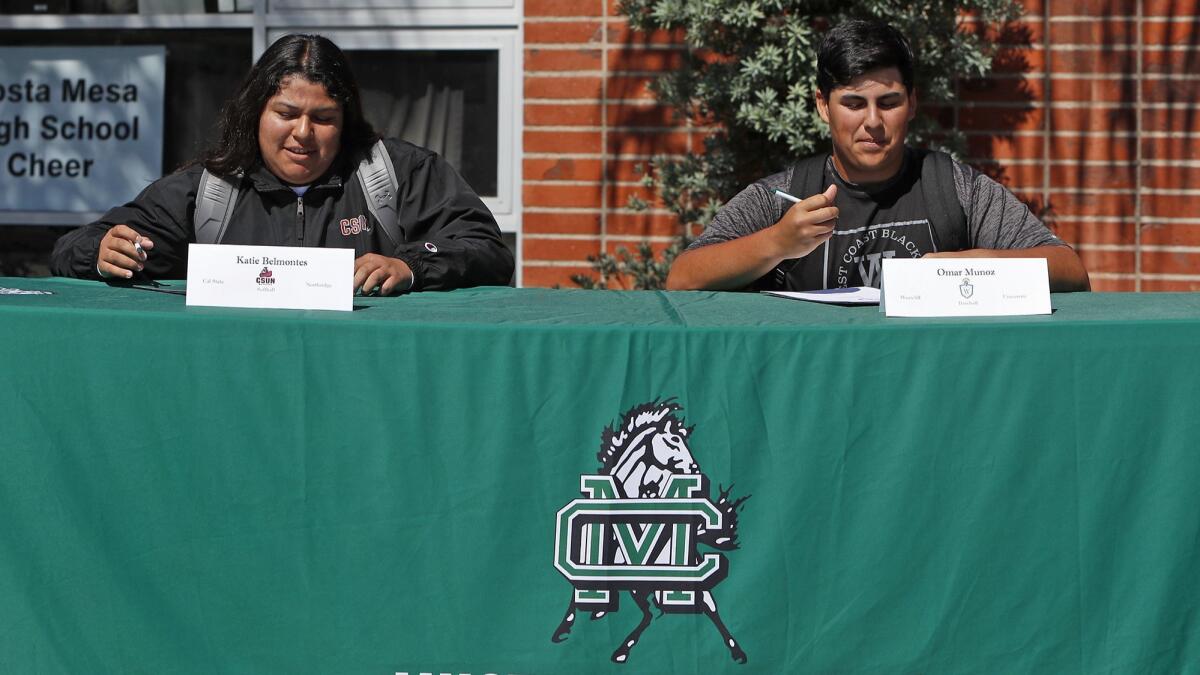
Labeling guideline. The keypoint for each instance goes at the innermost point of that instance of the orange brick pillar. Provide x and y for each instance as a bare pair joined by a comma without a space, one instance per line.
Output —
589,120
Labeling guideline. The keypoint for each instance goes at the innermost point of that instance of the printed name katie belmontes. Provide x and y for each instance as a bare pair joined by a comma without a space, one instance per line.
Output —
267,260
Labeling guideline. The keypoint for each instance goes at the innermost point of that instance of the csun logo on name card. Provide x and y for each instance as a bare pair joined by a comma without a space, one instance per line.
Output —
271,277
932,287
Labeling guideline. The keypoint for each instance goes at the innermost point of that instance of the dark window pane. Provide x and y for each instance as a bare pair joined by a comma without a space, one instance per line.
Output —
445,100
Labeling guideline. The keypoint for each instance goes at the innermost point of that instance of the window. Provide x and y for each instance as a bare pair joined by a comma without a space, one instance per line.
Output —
444,100
453,91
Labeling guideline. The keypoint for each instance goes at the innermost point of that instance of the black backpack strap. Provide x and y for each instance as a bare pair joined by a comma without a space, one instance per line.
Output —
941,199
215,198
377,177
808,177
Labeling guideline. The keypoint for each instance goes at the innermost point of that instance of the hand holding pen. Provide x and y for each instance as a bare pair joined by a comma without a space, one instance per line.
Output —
806,225
122,253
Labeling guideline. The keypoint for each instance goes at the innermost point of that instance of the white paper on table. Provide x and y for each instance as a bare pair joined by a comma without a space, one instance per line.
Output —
854,295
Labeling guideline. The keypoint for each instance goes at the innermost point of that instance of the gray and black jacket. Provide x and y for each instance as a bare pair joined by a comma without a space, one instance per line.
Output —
451,240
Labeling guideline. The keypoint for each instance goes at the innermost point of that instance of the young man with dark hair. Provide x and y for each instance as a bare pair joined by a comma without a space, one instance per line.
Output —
872,198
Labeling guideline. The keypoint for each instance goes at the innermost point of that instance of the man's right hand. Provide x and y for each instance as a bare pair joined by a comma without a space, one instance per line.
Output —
122,252
736,263
805,226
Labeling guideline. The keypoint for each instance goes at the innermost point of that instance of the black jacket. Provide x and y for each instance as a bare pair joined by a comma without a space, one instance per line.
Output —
451,239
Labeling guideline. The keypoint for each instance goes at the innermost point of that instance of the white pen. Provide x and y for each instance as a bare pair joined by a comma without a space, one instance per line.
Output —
137,246
784,195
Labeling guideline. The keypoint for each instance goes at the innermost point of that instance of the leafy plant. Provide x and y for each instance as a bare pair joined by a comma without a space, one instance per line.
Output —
750,75
627,270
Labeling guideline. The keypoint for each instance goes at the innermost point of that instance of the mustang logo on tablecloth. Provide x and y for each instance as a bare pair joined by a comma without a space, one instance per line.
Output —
639,524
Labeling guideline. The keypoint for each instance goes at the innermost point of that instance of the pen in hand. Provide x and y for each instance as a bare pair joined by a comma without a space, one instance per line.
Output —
805,224
783,195
122,253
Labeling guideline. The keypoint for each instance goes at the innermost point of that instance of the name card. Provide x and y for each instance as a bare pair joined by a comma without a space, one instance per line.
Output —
965,287
271,277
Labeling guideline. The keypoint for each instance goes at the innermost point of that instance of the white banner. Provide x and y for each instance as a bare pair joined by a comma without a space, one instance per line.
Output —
81,128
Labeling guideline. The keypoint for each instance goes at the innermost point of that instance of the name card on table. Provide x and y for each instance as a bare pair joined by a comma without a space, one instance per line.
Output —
270,277
965,287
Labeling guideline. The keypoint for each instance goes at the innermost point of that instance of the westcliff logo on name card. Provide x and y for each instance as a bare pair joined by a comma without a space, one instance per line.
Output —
965,287
270,277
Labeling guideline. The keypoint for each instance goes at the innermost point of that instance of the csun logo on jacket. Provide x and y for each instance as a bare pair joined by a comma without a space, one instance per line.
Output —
638,526
355,225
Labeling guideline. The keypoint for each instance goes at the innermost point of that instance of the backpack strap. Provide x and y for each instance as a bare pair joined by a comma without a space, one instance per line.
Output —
377,177
941,198
808,175
214,204
808,179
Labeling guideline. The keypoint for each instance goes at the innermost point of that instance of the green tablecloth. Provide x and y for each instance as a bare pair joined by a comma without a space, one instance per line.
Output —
199,490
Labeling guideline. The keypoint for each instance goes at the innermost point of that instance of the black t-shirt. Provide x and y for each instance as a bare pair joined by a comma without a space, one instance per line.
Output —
884,220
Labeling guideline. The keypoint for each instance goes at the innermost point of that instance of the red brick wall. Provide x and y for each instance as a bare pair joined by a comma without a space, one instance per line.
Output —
589,122
1091,117
1095,111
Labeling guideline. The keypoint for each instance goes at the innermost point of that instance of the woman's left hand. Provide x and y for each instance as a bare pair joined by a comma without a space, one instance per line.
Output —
379,273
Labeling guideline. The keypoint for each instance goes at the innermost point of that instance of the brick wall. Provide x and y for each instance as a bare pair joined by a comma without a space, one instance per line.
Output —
589,122
1090,117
